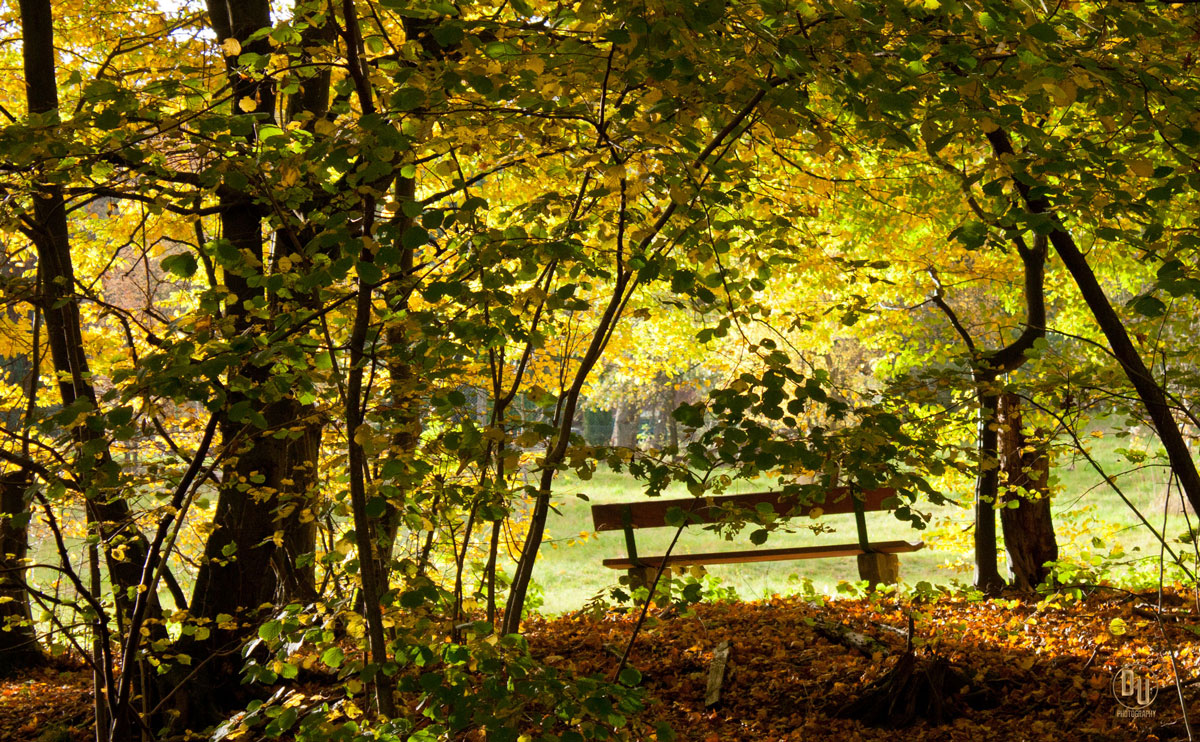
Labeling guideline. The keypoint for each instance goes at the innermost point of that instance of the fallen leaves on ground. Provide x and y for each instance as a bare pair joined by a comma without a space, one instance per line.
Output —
1050,669
47,705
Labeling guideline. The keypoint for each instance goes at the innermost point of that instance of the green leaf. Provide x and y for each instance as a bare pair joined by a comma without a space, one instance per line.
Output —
1043,32
376,507
181,264
972,235
630,676
1147,306
501,50
369,272
408,99
270,630
414,237
333,657
691,415
675,516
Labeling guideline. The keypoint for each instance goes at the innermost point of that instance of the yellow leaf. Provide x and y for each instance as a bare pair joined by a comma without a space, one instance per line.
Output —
612,176
247,104
1142,167
1117,626
289,176
231,47
1064,94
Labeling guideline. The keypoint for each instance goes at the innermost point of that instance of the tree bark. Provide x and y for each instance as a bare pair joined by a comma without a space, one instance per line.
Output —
1028,527
51,238
986,367
374,584
19,649
125,547
250,556
669,416
625,426
404,385
987,492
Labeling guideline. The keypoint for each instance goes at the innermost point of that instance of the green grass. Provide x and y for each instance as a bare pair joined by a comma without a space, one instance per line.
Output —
569,569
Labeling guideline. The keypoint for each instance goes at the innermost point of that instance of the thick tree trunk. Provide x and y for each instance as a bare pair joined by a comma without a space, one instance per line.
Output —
244,566
1028,527
294,566
294,563
19,648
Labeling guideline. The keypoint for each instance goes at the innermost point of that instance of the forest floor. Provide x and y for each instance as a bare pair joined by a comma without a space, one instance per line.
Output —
1048,670
1038,671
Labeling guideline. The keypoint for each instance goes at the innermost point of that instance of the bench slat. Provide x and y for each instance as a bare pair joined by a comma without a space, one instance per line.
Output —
766,555
653,513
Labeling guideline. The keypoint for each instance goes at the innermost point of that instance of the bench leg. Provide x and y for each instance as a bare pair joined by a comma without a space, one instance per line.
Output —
879,569
644,577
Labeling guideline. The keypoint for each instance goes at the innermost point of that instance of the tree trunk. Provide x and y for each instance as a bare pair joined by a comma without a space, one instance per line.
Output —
987,490
669,416
625,426
624,281
1151,394
125,547
51,237
1028,527
986,367
19,648
264,475
404,388
294,564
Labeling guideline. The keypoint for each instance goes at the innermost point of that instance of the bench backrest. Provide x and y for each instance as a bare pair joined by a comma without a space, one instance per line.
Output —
653,513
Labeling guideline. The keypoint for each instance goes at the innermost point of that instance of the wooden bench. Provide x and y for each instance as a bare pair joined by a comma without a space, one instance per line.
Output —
877,562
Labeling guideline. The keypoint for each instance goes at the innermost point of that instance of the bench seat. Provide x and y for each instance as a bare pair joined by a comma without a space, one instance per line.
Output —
877,561
763,555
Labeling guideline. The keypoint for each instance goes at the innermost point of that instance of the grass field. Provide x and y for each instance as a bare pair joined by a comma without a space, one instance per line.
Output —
569,569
